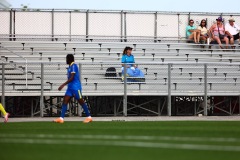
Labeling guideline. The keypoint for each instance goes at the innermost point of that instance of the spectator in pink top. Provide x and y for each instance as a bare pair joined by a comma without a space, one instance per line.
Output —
218,32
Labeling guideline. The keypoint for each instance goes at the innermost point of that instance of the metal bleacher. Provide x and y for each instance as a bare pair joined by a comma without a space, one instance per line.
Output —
45,65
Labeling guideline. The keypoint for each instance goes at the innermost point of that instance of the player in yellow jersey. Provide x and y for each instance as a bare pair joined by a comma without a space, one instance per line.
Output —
5,114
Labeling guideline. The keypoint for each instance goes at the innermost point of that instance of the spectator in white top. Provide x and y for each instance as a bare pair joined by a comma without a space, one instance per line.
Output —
233,29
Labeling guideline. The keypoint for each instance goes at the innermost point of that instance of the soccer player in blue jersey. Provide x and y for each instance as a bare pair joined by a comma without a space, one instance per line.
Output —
74,89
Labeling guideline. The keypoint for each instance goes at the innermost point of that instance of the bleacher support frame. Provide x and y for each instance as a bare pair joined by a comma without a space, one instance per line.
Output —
45,105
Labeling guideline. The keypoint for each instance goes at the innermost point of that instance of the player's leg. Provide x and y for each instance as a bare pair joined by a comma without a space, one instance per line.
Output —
5,114
66,99
80,100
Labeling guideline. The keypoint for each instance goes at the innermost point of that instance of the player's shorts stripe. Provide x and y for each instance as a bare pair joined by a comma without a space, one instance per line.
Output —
79,93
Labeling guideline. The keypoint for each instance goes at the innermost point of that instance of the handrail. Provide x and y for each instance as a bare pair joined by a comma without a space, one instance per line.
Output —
26,63
89,37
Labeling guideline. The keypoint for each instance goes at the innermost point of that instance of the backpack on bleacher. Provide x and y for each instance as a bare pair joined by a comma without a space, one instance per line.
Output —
111,72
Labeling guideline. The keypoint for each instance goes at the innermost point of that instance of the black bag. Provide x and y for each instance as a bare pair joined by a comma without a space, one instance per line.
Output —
111,72
221,36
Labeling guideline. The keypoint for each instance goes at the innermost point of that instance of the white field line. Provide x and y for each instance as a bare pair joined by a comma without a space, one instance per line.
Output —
110,140
119,137
124,144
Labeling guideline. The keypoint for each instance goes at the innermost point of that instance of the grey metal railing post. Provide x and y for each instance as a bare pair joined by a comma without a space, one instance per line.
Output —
122,29
10,25
189,16
14,24
70,25
115,107
87,25
155,27
179,36
169,91
125,91
125,27
195,105
42,88
205,89
52,24
239,105
3,85
80,78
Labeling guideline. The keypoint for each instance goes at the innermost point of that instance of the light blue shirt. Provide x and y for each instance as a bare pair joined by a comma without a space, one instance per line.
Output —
128,59
188,33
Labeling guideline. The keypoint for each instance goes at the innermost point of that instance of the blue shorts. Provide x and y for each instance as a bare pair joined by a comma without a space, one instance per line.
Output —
77,94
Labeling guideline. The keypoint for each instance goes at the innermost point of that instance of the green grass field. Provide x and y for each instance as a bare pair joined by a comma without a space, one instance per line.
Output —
166,140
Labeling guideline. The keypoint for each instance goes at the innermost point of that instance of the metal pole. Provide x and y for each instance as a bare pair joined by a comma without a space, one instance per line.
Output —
195,105
205,89
87,25
14,24
238,105
230,106
10,25
179,36
70,25
42,87
122,26
125,27
80,78
52,24
3,85
26,72
159,107
115,107
155,28
125,91
31,107
169,90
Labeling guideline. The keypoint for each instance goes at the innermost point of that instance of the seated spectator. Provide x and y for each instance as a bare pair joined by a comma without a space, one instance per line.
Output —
218,32
132,69
234,30
192,33
204,32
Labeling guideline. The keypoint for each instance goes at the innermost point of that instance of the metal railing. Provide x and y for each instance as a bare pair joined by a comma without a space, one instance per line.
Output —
26,63
160,79
76,25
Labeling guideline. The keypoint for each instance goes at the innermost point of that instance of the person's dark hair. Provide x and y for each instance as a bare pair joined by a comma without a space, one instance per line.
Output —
191,20
70,58
125,50
203,20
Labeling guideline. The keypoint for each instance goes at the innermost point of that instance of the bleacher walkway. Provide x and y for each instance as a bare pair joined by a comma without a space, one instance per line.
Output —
131,119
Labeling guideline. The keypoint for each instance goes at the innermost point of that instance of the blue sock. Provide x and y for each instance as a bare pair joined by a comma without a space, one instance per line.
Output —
85,108
64,109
